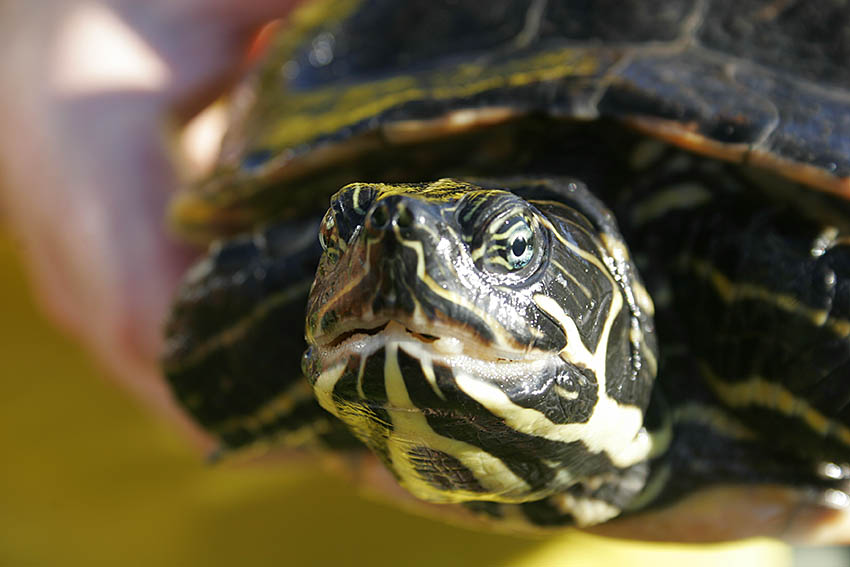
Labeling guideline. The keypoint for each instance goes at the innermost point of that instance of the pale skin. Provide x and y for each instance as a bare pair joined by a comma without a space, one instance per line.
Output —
94,100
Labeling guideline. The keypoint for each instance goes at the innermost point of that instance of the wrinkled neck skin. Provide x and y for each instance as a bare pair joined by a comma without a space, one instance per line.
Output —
490,350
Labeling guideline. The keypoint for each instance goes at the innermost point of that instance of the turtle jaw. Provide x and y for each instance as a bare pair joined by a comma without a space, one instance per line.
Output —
400,392
455,422
441,339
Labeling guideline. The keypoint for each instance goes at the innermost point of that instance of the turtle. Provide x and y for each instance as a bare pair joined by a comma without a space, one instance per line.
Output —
551,263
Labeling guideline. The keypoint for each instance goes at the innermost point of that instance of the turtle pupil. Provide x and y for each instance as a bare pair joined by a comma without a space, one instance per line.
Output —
518,247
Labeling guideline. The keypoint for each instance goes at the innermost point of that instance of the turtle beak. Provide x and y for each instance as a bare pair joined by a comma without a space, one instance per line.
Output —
380,275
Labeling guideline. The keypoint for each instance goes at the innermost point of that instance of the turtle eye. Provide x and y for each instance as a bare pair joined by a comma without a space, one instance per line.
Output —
519,248
326,230
328,236
508,245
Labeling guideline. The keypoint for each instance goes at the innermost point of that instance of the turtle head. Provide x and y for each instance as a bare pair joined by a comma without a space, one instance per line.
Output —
445,260
481,344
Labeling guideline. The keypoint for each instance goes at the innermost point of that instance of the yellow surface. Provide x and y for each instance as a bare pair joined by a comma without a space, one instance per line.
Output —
88,478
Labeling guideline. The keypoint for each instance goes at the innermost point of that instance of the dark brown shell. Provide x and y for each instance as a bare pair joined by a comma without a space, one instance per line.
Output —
752,81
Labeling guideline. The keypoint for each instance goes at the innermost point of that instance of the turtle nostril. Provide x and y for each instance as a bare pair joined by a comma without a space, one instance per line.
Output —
380,217
390,213
404,219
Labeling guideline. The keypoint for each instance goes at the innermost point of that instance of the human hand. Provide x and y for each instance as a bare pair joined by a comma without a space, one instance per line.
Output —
94,94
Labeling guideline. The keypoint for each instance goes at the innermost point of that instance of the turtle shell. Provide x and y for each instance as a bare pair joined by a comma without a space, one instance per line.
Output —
753,81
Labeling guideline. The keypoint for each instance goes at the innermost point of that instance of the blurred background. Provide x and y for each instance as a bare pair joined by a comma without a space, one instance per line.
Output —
89,478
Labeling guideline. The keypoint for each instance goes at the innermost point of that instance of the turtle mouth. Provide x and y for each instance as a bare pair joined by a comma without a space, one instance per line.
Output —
360,332
441,340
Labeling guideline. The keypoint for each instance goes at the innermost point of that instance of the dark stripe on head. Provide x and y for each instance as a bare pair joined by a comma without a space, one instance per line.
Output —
462,418
374,384
628,377
346,387
437,307
589,312
443,471
573,404
373,423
